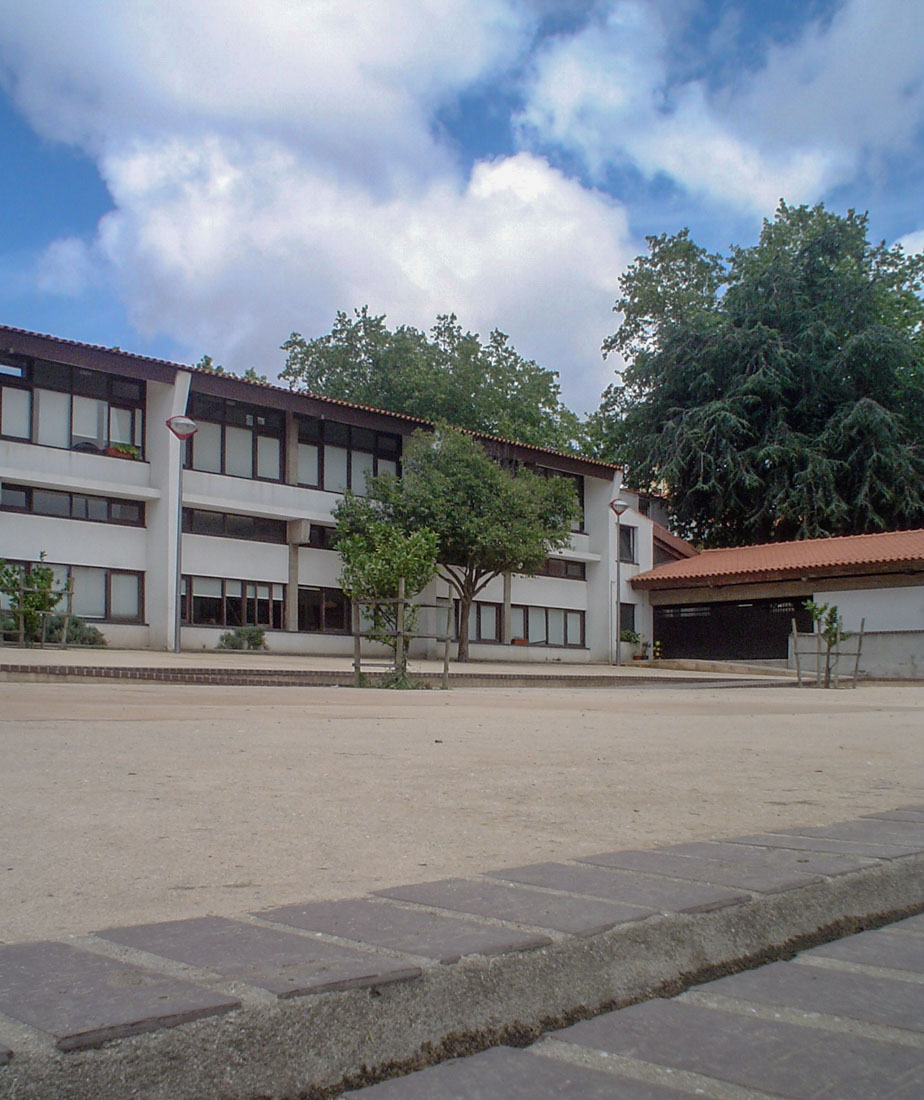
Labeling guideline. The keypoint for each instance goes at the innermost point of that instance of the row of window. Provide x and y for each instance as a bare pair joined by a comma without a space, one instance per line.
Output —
552,626
62,406
216,601
54,502
106,595
248,441
232,525
561,567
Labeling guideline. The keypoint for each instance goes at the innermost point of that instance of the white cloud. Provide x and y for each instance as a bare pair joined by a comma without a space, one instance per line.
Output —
794,128
912,243
229,247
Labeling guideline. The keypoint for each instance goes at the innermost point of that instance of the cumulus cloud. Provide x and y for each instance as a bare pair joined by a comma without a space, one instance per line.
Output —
800,124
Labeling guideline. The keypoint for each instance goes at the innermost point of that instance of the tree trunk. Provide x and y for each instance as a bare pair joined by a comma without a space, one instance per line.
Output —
465,608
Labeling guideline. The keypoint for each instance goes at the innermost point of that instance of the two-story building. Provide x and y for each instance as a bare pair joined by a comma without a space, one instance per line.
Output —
92,478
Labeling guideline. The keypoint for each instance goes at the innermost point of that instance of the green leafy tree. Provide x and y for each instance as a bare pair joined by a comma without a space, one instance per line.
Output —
449,375
377,557
778,394
488,520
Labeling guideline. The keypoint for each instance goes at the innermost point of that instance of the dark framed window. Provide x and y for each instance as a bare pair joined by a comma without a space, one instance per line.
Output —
323,610
562,567
220,601
484,622
628,542
235,438
336,457
626,616
57,405
577,480
551,626
55,502
321,537
199,521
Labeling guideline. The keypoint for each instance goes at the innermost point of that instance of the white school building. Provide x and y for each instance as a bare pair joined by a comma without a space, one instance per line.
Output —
92,478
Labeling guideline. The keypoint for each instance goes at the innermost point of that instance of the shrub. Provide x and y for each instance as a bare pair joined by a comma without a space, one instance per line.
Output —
244,637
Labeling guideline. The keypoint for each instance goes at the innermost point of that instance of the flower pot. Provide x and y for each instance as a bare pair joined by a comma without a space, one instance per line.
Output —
519,641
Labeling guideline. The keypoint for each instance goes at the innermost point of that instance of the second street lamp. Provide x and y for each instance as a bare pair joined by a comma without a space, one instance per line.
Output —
618,506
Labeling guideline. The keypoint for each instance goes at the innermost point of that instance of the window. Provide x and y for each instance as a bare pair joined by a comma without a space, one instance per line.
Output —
626,616
577,480
53,502
553,626
56,405
322,538
484,621
627,543
107,595
235,438
561,567
198,521
217,601
323,611
336,457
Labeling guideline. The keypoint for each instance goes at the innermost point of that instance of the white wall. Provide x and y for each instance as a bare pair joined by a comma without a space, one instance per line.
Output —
883,608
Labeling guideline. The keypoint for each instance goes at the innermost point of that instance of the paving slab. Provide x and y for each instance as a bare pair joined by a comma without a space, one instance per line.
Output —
798,843
886,1001
913,926
828,864
869,830
513,1075
629,887
776,1057
913,816
578,916
446,939
286,964
741,875
84,999
875,949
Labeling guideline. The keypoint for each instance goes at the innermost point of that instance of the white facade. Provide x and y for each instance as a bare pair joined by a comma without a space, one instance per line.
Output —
252,548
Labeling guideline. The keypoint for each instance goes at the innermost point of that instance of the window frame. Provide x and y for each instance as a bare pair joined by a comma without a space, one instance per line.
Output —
189,515
274,623
386,447
226,413
29,509
71,382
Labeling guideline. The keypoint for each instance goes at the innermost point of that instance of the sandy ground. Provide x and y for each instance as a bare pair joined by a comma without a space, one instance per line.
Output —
123,803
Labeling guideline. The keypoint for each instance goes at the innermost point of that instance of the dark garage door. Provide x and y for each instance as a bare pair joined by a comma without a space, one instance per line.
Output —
746,631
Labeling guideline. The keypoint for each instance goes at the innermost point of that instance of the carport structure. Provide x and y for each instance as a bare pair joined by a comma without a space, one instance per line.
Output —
739,603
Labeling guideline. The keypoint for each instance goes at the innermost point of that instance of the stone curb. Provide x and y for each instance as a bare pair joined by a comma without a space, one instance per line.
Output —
312,996
227,677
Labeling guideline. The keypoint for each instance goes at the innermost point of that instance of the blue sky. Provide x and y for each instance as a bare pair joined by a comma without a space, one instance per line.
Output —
183,178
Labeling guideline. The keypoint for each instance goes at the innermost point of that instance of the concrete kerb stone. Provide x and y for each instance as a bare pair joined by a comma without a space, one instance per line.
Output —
273,1047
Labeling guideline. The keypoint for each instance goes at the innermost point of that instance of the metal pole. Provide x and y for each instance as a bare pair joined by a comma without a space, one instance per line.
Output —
618,597
178,581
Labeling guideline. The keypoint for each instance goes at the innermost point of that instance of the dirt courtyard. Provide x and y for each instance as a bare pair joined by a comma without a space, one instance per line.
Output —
123,803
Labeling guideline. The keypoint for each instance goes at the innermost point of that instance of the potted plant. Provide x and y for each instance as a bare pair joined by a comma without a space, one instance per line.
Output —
641,653
628,640
123,450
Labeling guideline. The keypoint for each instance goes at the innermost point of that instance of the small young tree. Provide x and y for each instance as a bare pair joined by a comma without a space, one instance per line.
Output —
488,520
377,557
31,596
830,626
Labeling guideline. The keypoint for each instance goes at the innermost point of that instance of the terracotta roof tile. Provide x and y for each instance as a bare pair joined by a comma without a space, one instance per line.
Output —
779,560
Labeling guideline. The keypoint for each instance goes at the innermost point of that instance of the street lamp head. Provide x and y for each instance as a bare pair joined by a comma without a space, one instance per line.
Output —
619,506
182,426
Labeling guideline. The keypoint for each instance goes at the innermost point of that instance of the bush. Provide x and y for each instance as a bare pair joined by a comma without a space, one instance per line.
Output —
78,632
629,636
244,637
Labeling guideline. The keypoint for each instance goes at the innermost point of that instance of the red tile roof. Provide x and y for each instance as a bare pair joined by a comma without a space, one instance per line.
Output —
892,551
672,542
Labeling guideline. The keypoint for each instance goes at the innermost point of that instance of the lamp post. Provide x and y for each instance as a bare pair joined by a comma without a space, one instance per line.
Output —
618,506
183,428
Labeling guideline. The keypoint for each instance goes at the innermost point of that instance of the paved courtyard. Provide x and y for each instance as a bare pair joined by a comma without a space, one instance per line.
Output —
130,802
